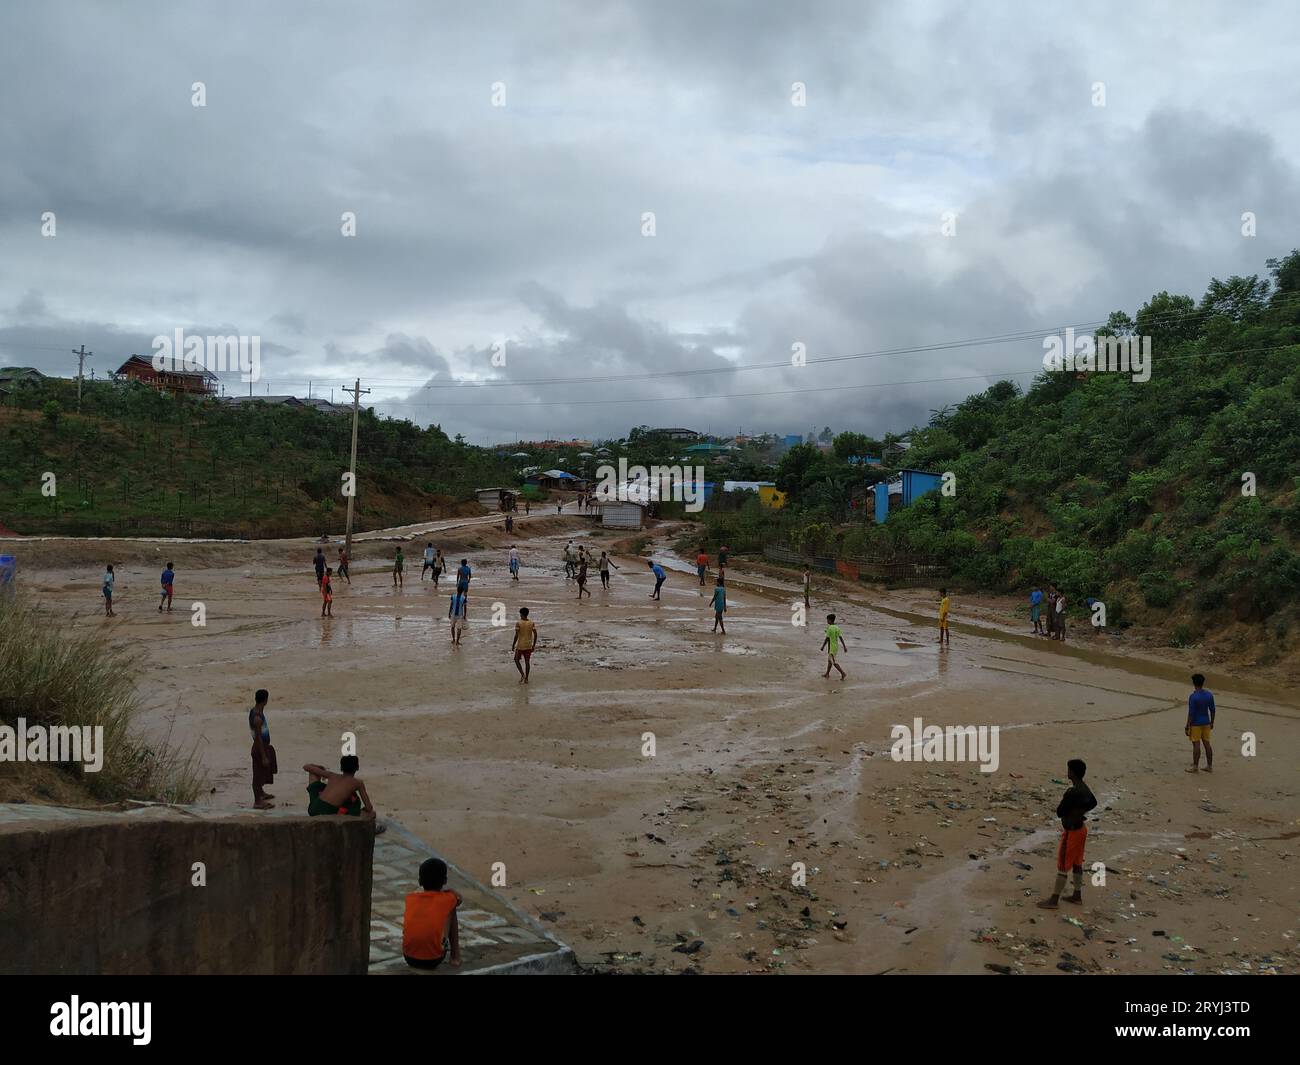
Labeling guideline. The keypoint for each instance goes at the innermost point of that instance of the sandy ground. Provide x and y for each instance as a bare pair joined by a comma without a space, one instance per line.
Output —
683,860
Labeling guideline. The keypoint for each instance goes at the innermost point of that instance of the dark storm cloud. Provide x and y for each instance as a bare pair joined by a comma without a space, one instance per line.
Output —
521,225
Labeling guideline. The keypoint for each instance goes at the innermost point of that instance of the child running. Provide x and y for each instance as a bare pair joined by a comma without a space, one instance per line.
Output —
458,612
719,606
107,590
605,563
514,563
1077,801
524,644
429,925
439,565
343,565
582,574
831,645
168,575
428,559
944,606
327,594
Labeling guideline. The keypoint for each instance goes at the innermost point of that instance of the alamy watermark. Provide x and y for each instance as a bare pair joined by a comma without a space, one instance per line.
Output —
217,354
1105,354
57,743
639,484
951,743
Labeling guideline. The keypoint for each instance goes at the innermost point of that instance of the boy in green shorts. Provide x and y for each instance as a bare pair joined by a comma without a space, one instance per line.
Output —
338,793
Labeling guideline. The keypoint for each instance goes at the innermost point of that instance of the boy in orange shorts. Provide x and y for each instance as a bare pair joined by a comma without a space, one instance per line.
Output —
1077,801
429,926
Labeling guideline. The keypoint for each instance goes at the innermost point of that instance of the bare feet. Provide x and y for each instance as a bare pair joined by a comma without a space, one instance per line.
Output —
1191,769
1076,899
1048,904
263,805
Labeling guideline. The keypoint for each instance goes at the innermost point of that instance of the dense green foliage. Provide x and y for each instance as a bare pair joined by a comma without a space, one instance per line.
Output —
1109,487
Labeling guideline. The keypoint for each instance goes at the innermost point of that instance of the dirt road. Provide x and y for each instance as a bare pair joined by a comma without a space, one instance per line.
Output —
760,766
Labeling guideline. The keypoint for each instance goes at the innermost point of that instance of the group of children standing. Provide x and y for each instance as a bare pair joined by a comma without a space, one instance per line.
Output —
1055,603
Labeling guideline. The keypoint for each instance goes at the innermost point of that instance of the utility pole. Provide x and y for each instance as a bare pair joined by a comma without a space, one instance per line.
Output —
357,392
82,356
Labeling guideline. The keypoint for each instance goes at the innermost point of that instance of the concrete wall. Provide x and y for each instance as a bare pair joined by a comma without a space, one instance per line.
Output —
113,894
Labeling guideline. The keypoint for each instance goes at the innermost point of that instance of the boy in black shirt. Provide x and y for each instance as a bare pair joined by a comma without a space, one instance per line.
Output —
1076,802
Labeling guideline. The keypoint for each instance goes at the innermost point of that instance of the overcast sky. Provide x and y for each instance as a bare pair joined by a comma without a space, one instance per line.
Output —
522,224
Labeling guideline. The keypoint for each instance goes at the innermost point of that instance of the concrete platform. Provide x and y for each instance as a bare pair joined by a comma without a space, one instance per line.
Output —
495,937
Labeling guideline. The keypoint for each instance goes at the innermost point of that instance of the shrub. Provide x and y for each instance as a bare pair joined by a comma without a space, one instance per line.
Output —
52,675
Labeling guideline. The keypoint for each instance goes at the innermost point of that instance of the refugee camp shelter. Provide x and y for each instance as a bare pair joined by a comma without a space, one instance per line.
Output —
909,485
556,479
622,514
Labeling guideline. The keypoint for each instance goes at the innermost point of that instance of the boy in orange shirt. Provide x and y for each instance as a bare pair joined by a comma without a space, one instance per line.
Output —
429,925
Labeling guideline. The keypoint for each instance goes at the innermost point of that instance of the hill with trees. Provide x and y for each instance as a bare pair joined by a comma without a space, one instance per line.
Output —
139,462
1175,500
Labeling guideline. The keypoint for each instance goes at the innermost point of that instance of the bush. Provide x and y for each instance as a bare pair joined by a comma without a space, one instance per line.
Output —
52,675
1158,588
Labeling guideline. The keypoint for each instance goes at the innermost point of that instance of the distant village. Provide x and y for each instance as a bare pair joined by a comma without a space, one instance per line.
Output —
735,467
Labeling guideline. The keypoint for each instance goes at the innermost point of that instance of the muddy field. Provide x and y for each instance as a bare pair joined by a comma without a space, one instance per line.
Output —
684,859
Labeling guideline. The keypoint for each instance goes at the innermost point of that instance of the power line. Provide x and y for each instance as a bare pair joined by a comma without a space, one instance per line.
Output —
394,384
455,406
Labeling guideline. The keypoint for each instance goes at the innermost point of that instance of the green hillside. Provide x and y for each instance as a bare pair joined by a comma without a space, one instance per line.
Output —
136,462
1124,490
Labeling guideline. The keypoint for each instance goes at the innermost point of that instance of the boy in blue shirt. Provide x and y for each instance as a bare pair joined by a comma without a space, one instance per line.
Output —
1200,723
168,575
657,570
458,612
1036,611
719,606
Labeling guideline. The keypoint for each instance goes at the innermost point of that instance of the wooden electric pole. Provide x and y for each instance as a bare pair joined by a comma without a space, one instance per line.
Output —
357,392
82,356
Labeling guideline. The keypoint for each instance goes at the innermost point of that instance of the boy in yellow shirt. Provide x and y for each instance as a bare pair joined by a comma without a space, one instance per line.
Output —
944,606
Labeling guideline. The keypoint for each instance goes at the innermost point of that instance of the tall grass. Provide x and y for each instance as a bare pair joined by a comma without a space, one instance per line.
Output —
51,674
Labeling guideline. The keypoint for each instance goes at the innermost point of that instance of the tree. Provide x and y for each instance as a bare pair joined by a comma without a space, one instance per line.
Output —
1168,319
1286,274
1238,297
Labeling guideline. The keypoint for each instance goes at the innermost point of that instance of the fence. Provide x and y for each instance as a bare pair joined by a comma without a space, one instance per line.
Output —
898,569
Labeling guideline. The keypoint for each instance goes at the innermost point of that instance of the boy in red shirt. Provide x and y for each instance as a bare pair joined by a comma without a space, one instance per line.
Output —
429,925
